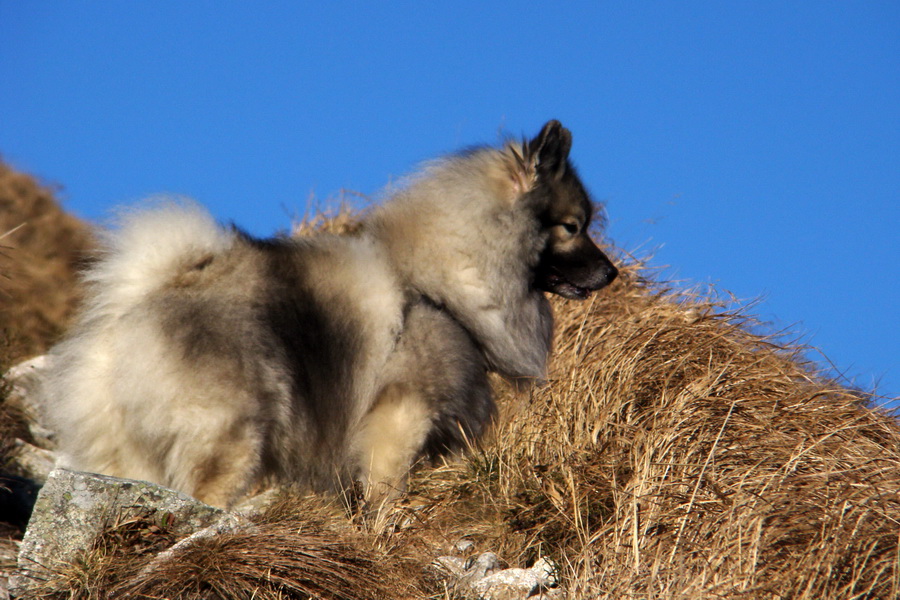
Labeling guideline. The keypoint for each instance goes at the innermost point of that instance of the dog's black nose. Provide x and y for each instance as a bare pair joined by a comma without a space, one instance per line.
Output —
604,276
611,274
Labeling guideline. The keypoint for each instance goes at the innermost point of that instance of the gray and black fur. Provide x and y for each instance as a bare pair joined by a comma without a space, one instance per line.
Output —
213,362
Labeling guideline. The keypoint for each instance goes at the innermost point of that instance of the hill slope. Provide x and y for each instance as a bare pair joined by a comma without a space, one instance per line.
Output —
675,453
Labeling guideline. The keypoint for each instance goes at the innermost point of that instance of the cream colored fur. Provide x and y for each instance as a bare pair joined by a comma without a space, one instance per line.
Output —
481,247
213,363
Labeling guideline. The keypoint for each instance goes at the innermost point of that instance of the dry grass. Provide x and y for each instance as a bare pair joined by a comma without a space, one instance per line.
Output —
676,453
42,246
335,217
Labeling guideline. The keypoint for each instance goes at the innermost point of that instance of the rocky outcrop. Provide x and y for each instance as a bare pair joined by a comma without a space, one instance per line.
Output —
73,508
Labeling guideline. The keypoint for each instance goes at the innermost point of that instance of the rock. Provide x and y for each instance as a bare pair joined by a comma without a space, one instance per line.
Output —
485,564
33,462
24,380
255,505
483,578
43,437
540,581
23,375
73,508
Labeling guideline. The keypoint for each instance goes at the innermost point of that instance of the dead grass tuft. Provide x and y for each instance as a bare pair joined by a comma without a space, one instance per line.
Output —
335,217
42,246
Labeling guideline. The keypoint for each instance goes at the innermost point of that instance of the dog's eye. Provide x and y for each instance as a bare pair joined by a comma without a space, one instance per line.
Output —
570,227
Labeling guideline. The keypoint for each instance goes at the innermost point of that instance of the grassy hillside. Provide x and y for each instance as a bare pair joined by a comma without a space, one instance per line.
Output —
40,248
675,453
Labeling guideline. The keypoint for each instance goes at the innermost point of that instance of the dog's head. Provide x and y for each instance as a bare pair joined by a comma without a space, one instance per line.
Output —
571,265
485,232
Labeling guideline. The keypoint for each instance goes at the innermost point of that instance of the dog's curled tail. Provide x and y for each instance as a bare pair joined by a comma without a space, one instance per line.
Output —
149,245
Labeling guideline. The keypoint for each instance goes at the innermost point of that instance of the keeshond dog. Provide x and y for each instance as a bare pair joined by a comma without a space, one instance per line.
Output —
213,362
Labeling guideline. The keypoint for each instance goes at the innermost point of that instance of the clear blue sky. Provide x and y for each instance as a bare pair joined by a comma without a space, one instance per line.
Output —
753,144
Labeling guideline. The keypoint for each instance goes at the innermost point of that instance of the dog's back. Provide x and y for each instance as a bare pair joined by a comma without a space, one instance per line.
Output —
206,360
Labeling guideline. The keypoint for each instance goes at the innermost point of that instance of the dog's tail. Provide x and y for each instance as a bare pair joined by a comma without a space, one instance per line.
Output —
150,246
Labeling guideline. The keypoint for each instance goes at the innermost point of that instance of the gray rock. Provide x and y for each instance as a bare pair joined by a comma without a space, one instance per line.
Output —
540,581
255,505
23,375
484,565
483,578
24,380
462,573
451,568
31,461
73,508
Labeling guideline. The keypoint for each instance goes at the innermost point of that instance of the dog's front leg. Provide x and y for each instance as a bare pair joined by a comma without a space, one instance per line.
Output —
390,439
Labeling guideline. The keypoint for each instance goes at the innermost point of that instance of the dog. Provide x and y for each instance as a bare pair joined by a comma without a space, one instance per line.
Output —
213,362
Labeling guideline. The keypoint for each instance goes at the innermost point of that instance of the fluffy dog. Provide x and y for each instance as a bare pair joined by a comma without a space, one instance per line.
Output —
211,361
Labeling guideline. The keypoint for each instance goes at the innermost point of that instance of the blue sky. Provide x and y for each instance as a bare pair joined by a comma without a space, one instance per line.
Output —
753,145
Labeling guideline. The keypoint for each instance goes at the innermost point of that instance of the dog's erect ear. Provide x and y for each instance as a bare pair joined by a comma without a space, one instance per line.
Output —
550,149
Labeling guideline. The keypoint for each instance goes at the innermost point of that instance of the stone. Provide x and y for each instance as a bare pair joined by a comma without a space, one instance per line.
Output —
32,462
483,578
24,380
540,581
73,508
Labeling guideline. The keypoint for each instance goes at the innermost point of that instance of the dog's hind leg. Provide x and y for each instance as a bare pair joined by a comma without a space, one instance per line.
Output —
218,464
389,441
